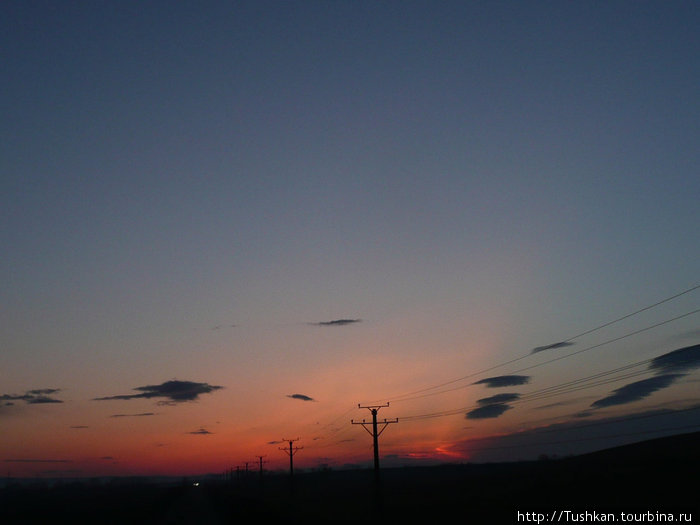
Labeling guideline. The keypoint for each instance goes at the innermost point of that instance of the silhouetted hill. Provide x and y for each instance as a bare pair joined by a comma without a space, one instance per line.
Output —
657,476
682,447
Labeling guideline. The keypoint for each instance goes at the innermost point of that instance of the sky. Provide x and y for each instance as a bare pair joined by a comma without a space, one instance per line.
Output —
227,225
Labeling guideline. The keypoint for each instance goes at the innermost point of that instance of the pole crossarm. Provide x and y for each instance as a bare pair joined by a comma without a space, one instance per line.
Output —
366,424
375,432
290,452
292,449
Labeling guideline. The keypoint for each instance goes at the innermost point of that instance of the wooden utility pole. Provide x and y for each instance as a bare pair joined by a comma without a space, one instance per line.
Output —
291,451
375,432
260,461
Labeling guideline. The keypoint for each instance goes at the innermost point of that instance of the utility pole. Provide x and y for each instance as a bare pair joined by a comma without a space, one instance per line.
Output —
375,432
260,461
290,452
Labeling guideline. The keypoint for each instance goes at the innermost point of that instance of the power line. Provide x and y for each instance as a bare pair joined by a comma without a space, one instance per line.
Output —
586,332
598,379
547,392
633,313
424,392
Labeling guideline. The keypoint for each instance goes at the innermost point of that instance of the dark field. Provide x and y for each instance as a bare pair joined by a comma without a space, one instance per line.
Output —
641,480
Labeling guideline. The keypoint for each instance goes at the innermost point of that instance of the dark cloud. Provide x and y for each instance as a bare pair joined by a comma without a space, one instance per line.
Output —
201,431
680,360
488,411
142,414
636,391
553,346
79,426
338,322
301,397
498,398
107,458
501,381
40,400
34,397
173,391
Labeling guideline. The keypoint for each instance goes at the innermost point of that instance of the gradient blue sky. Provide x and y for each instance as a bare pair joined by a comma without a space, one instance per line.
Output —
188,187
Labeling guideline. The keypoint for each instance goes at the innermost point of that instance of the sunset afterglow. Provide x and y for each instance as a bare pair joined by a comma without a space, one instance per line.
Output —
227,225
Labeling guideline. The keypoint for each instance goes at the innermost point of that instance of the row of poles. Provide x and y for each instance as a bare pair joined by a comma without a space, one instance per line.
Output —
373,427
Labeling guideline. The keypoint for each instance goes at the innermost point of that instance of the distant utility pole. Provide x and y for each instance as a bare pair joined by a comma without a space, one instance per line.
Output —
260,461
375,433
291,451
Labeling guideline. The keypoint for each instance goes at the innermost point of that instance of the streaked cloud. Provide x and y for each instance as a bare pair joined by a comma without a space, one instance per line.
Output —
301,397
636,391
33,397
142,414
201,431
338,322
501,381
174,391
681,360
498,398
553,346
220,326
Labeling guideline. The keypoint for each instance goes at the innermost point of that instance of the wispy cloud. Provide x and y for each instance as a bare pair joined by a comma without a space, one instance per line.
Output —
488,411
220,326
33,397
174,391
338,322
301,397
501,381
553,346
636,391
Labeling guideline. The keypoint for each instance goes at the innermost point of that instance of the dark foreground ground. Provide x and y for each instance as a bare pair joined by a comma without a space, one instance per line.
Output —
648,482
